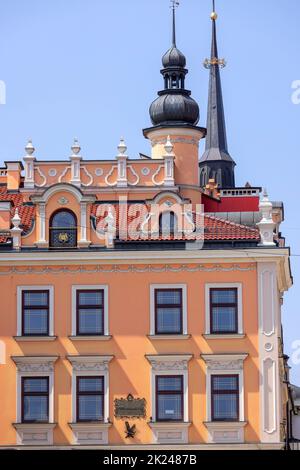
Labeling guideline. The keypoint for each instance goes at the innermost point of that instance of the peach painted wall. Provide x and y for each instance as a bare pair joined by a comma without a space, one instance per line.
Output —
129,371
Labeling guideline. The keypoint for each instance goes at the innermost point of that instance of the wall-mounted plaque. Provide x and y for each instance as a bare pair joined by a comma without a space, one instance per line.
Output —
130,407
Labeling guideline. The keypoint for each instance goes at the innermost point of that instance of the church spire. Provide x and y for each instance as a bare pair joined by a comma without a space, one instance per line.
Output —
216,162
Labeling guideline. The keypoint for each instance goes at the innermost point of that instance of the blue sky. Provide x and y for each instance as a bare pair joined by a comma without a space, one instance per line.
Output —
90,69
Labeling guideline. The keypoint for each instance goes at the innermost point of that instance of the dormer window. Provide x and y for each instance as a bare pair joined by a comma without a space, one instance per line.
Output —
167,223
63,229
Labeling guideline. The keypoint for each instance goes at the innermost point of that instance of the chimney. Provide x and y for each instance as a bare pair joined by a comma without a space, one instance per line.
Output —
13,175
5,207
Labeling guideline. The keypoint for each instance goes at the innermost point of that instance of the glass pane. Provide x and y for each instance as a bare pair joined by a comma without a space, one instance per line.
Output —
169,297
35,321
90,298
225,383
90,408
167,223
36,299
90,384
169,384
35,385
90,321
63,219
168,320
224,319
35,408
224,296
169,407
225,407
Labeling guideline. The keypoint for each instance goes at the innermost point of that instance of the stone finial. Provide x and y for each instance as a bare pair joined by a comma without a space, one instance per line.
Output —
29,149
122,148
266,225
76,147
16,220
169,147
16,231
211,189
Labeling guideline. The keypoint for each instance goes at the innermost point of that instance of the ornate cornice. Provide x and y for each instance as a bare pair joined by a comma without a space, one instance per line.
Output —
224,361
90,363
169,362
35,363
127,269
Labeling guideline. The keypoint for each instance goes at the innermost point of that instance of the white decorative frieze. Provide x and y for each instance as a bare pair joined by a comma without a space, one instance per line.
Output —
223,362
90,363
35,363
170,433
178,362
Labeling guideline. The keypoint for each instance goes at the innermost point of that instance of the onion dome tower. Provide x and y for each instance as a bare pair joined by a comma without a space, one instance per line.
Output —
176,113
216,162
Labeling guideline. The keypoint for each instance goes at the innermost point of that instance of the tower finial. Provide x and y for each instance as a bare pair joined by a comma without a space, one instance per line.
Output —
174,5
214,14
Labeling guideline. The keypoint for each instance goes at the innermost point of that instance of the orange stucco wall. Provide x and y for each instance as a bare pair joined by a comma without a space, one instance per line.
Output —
129,371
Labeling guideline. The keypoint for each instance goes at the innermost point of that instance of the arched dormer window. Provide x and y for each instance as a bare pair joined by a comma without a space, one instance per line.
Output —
63,229
167,223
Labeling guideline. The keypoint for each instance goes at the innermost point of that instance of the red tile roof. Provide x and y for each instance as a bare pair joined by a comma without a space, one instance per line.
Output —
214,228
26,212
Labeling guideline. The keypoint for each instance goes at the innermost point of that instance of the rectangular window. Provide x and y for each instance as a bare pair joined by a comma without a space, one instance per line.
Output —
169,398
90,312
35,399
225,397
224,311
168,311
35,313
90,398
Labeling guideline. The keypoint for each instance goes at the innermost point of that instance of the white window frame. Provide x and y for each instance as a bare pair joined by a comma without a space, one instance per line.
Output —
170,365
225,364
20,290
222,285
103,287
90,366
34,366
183,287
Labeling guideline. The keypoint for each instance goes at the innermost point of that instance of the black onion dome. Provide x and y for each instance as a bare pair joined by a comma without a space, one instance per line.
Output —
174,108
174,58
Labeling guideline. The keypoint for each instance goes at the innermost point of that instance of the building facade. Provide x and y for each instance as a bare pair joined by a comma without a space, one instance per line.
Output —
141,297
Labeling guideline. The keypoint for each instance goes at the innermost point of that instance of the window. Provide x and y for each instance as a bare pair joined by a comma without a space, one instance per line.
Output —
35,399
167,224
169,398
168,311
35,313
223,310
90,399
90,312
63,229
225,397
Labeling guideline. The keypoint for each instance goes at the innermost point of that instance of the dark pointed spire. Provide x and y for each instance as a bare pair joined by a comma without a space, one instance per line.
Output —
216,162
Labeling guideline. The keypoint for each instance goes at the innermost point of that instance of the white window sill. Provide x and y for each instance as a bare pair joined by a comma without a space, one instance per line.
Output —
35,338
90,338
225,431
169,337
90,433
222,336
34,433
167,432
